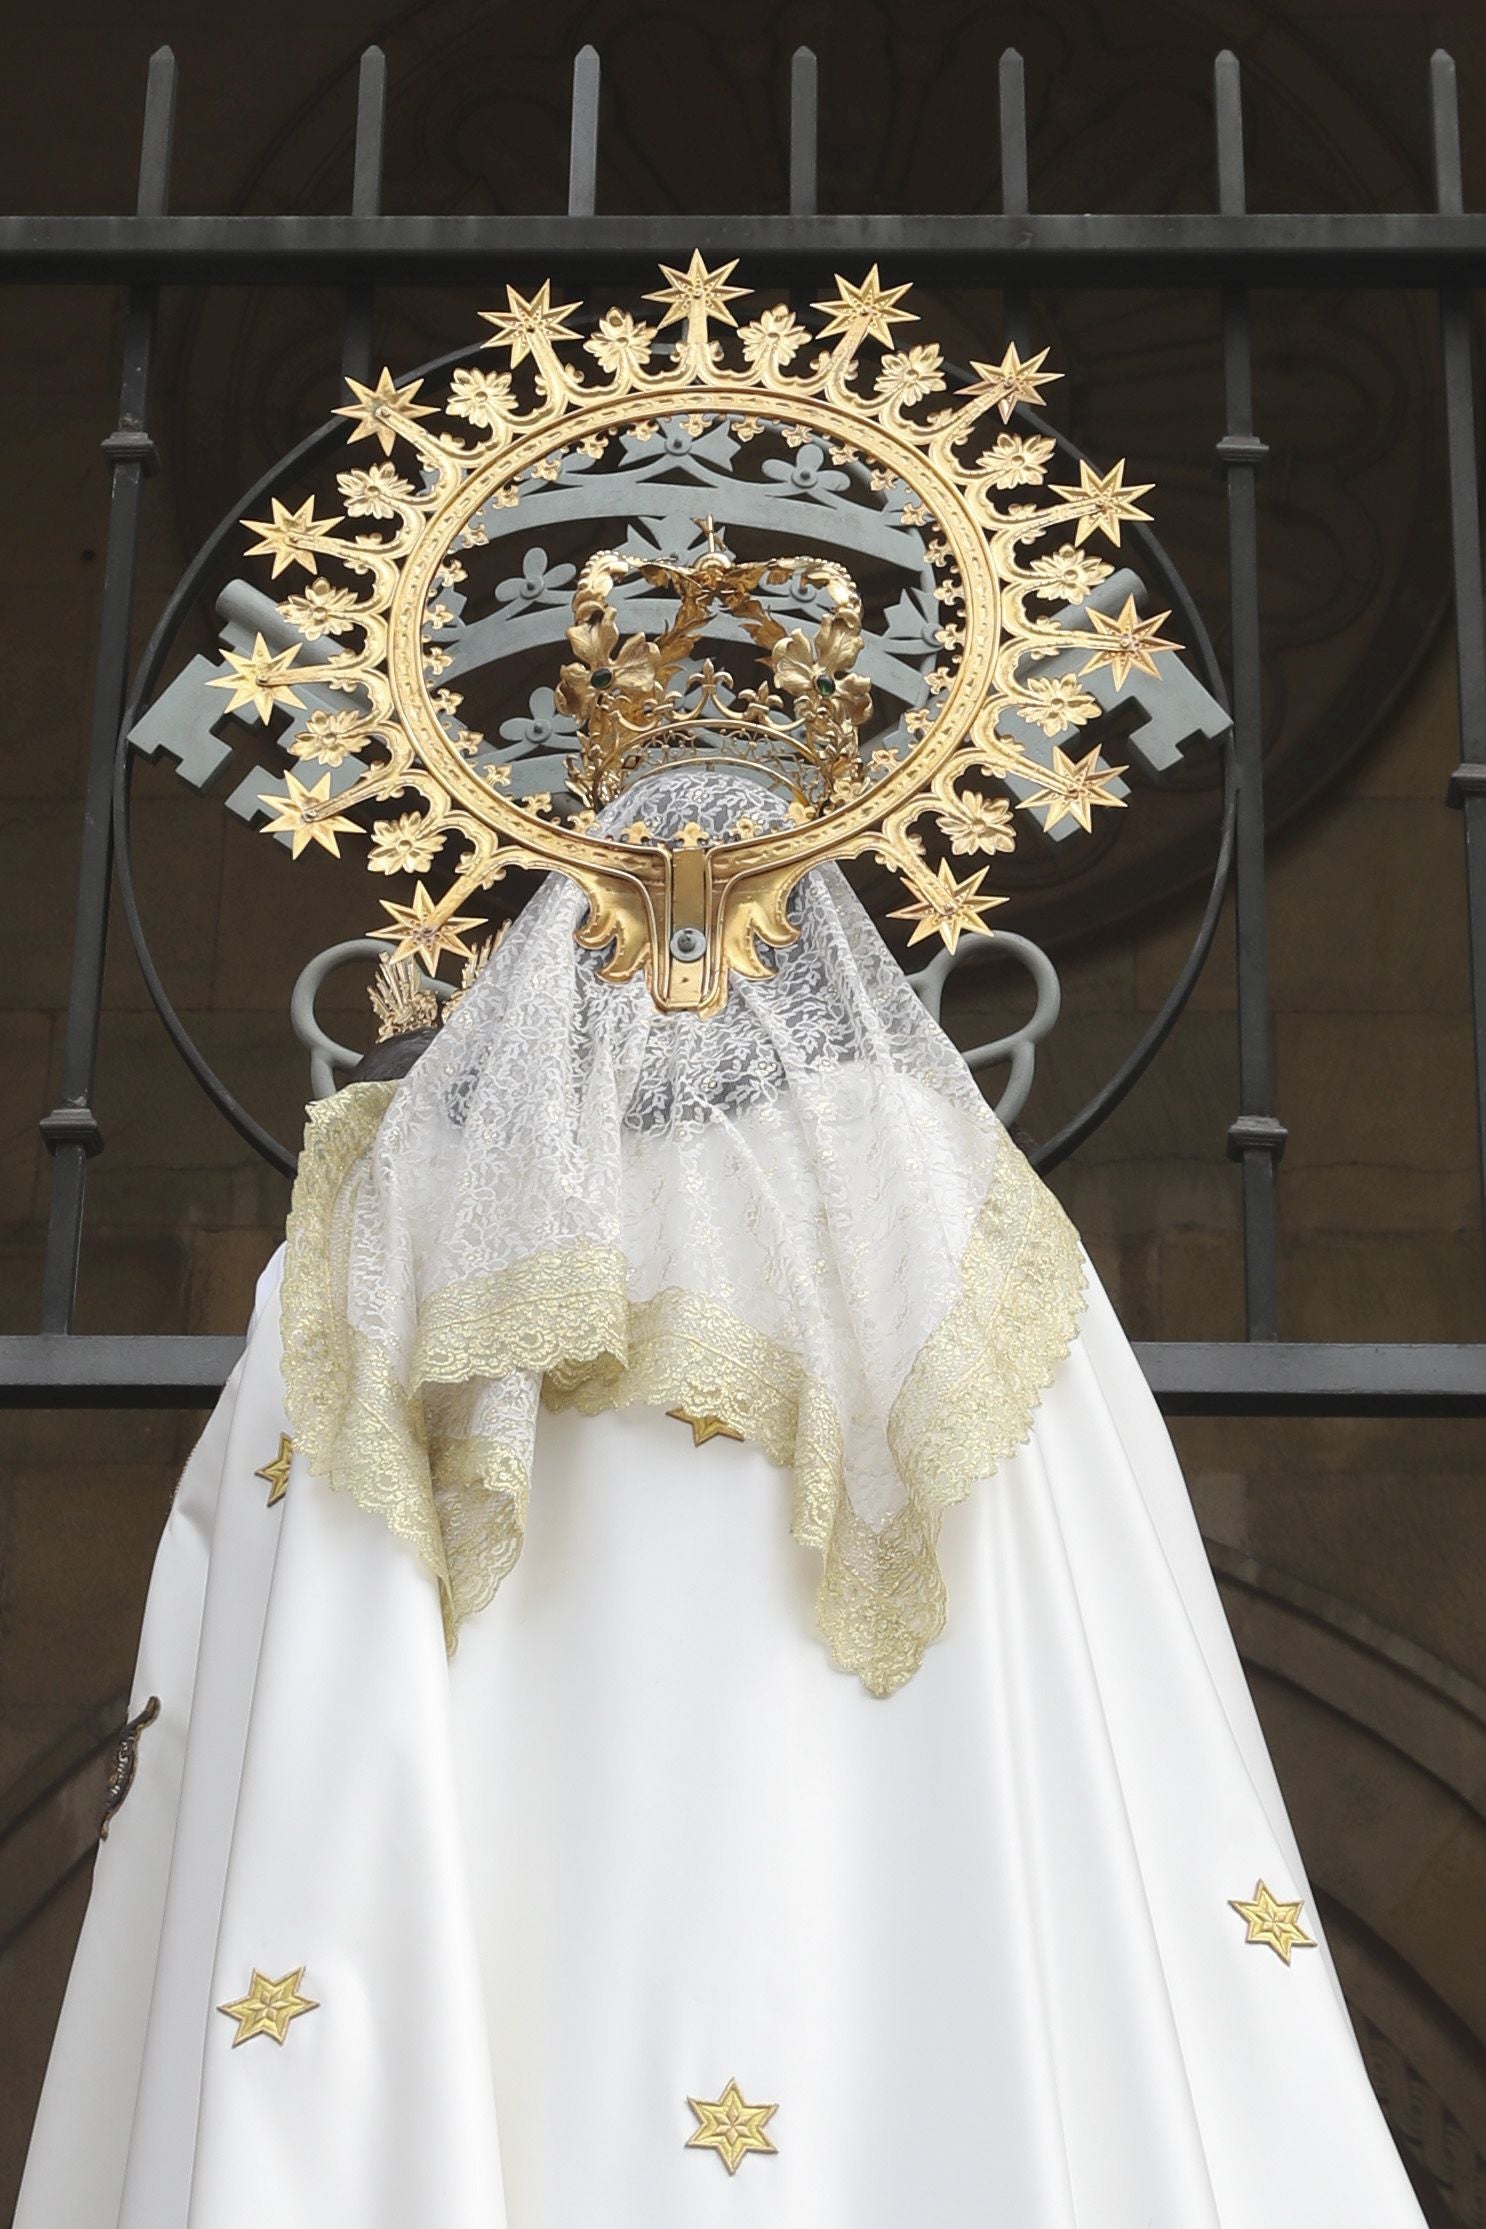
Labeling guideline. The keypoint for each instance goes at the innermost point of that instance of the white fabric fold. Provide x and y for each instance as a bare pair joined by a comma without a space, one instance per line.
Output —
637,1837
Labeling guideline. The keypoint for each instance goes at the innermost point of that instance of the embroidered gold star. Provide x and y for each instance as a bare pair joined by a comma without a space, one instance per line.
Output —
1273,1922
307,815
268,2007
259,678
1105,500
730,2127
376,412
277,1472
1128,641
1015,379
704,1428
421,932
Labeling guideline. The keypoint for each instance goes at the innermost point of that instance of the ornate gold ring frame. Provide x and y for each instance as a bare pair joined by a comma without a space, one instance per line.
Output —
732,893
650,903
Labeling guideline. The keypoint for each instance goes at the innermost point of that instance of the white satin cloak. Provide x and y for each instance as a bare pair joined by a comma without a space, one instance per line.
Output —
974,1941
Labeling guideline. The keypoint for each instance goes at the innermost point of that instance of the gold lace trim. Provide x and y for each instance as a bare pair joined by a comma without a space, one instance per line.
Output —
967,1403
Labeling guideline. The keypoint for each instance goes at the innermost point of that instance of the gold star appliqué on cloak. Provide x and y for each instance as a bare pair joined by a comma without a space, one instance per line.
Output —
268,2007
731,2127
1273,1922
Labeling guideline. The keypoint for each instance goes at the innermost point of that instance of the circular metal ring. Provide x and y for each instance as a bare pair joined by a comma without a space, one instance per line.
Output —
328,436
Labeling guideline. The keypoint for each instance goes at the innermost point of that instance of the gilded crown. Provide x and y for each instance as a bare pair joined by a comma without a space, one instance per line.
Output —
642,704
401,999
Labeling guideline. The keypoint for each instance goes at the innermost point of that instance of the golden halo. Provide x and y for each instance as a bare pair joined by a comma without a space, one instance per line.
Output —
690,915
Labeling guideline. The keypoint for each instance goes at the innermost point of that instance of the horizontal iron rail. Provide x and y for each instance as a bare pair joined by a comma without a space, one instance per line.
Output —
1192,1377
1313,1377
107,1370
1377,249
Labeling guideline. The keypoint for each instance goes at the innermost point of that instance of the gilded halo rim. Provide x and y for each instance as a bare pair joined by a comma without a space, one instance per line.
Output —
729,897
778,848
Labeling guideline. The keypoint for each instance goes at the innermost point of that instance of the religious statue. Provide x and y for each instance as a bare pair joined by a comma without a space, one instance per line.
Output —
681,1685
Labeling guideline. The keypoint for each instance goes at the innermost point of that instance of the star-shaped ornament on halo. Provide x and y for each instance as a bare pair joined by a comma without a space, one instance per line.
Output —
952,908
307,816
260,677
372,413
528,320
731,2127
1105,501
867,311
703,1427
422,932
1014,380
276,1473
288,536
1073,790
1273,1922
1129,641
268,2007
696,291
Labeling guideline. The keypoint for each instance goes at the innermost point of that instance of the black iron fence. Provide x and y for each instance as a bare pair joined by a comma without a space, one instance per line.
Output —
1229,250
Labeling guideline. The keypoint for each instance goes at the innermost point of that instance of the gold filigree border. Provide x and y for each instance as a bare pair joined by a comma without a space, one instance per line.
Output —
967,1402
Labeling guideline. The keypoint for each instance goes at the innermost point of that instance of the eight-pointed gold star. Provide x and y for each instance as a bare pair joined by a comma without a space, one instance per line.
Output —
698,290
730,2127
288,534
1072,787
1273,1922
1015,379
307,816
865,312
704,1428
276,1473
421,932
268,2007
951,907
527,320
1106,500
259,678
376,410
1129,641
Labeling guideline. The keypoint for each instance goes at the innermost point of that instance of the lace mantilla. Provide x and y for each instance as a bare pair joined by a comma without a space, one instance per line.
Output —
799,1217
968,1402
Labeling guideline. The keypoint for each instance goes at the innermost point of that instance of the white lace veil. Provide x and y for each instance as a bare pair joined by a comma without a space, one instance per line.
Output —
799,1218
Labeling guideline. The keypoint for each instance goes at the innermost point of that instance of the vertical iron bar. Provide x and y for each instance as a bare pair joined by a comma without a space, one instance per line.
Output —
366,201
1256,1140
71,1129
1467,788
804,109
583,143
1015,185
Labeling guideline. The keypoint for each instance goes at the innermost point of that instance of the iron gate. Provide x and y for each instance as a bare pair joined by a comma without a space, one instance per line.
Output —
1230,250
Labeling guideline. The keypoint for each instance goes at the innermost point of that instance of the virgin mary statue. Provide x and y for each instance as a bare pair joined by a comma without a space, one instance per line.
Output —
686,1689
